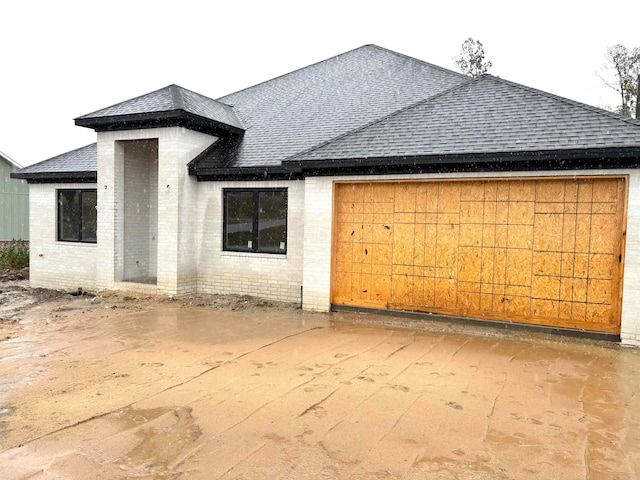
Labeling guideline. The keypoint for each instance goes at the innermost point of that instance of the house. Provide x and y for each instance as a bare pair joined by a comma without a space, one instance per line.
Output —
14,202
368,180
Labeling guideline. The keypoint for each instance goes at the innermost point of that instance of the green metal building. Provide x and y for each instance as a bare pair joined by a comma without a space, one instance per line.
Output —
14,202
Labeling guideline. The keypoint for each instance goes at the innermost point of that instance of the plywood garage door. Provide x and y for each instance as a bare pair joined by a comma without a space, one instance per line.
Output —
546,251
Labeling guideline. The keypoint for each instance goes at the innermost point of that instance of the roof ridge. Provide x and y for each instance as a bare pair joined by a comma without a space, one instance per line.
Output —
469,81
368,45
176,96
175,91
429,64
291,72
575,103
88,115
182,89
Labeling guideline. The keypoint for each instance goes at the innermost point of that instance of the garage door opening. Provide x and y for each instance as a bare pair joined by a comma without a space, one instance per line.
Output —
541,251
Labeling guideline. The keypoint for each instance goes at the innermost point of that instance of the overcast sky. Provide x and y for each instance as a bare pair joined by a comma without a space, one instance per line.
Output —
62,59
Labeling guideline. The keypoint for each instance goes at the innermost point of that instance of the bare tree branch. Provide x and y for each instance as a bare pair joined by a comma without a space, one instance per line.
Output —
625,63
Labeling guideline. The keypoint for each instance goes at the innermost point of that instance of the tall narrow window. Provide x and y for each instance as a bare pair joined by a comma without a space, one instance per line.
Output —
255,220
77,215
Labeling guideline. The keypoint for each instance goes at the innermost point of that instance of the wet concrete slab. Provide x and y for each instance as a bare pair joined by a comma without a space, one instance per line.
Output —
174,392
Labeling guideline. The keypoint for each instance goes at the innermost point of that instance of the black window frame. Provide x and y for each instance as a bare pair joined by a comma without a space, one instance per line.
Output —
80,218
255,246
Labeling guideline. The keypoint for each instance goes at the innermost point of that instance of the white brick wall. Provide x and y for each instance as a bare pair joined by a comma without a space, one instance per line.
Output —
191,145
53,264
318,223
110,250
189,222
176,203
271,276
630,331
140,210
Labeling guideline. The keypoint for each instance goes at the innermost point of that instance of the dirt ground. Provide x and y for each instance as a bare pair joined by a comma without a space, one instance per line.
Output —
113,387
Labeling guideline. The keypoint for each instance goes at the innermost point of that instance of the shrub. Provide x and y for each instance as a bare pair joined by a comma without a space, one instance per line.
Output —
14,255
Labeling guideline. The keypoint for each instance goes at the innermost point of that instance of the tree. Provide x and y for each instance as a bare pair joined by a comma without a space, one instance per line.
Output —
625,63
472,59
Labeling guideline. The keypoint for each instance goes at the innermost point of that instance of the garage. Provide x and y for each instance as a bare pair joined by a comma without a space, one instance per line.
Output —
531,250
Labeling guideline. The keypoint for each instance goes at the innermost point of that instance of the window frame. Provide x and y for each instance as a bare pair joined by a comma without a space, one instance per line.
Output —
80,218
255,246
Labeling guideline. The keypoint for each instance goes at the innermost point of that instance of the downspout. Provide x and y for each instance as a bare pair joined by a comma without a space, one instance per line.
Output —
638,100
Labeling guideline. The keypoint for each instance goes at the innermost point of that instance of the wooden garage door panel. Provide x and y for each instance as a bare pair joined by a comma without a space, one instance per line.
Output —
543,251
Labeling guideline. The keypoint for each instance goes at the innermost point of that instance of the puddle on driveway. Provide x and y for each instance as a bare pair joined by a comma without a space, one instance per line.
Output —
188,392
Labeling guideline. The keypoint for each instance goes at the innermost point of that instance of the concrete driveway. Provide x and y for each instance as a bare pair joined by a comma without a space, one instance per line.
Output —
196,393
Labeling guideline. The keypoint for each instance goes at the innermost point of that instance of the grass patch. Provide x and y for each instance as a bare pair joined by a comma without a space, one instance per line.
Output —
15,255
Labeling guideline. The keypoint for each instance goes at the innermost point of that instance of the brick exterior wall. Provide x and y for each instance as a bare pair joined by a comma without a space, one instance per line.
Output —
140,210
190,258
318,220
176,206
271,276
630,332
53,264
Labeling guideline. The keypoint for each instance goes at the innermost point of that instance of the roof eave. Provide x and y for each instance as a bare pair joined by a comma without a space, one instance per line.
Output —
58,177
608,157
168,118
247,173
632,152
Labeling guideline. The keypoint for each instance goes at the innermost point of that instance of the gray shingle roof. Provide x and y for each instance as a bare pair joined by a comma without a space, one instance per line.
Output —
83,159
484,115
367,103
170,99
301,109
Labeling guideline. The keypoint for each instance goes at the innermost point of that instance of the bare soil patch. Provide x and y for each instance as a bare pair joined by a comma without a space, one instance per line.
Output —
17,298
14,275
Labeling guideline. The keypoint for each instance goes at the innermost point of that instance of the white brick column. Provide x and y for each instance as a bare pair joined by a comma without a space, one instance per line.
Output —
177,210
630,328
316,280
110,209
177,202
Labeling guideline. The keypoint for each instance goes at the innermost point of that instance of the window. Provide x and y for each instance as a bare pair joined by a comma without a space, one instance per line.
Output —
77,215
255,220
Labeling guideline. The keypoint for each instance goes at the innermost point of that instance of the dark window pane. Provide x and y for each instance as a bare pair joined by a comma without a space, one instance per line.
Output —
239,218
272,221
255,220
89,216
77,215
69,215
